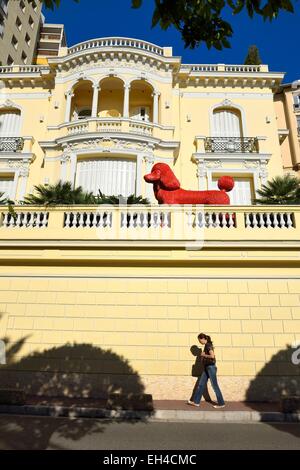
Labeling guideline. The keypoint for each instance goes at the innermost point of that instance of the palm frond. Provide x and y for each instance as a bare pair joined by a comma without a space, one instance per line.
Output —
280,190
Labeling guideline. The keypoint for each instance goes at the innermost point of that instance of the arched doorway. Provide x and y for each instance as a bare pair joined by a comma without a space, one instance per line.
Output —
141,106
82,101
111,98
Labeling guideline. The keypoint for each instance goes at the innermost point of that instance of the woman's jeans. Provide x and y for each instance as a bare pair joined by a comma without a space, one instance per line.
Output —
210,372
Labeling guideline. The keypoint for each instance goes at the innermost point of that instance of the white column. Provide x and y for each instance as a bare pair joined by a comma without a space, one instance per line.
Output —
155,95
64,159
149,160
263,172
73,165
126,101
201,175
95,100
23,177
139,176
69,96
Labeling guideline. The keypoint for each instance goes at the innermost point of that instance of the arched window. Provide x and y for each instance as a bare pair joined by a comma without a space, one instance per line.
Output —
10,122
227,122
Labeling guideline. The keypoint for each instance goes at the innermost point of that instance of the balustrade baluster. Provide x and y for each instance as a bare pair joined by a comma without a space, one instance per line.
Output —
289,221
281,220
268,220
247,220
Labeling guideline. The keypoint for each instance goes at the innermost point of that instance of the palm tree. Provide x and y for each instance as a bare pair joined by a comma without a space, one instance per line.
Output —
5,200
280,190
116,200
59,194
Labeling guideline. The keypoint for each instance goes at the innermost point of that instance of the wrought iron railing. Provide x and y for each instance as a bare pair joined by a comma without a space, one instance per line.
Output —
11,144
231,144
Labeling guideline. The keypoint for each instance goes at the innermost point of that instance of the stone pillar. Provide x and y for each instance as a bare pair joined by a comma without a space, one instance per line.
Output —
96,89
69,96
139,175
201,175
263,172
64,159
155,95
149,160
23,177
126,101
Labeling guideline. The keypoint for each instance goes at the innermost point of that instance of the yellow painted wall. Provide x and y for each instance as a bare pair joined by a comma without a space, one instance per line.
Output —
152,318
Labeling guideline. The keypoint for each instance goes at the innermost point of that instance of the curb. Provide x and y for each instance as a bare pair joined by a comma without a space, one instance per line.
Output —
155,416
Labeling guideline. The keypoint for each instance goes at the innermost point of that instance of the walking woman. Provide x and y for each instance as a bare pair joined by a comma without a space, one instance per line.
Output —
210,372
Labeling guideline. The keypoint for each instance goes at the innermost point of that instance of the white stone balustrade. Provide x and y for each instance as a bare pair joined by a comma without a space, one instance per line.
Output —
234,224
25,219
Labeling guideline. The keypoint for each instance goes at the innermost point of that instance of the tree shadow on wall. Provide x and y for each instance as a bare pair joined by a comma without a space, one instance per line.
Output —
277,380
72,370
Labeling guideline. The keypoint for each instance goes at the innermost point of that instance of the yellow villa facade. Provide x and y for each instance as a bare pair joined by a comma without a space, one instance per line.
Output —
142,282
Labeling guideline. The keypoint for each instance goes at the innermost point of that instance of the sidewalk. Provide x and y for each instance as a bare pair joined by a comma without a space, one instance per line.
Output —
163,410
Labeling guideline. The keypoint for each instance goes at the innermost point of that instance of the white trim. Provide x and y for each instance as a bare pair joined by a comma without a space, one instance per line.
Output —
79,79
28,96
138,181
234,171
220,95
119,73
15,173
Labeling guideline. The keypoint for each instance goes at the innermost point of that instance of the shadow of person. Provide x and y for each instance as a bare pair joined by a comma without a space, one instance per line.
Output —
80,371
197,370
278,379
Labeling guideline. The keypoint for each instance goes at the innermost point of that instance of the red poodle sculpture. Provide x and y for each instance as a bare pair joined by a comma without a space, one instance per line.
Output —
167,189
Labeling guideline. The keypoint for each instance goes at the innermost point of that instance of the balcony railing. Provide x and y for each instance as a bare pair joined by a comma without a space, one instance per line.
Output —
231,144
11,144
224,68
110,224
24,69
117,42
107,125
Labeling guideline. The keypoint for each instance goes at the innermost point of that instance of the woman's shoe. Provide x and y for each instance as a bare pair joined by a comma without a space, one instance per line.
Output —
190,402
219,406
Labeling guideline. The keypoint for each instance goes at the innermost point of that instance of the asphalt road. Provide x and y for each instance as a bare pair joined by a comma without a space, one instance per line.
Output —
19,432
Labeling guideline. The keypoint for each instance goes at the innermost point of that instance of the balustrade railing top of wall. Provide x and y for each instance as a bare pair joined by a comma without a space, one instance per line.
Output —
117,42
24,69
225,68
152,223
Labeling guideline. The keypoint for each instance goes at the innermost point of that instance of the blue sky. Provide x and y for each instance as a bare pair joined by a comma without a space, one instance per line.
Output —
278,41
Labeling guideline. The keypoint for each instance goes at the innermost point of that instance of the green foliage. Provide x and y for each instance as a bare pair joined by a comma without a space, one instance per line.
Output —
280,190
4,200
64,194
51,4
201,21
116,200
59,194
253,57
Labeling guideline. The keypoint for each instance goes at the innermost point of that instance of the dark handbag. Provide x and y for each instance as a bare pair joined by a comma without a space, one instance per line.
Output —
208,361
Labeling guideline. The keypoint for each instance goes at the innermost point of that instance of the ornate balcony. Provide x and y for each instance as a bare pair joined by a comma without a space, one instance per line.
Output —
113,125
231,144
121,225
11,144
117,42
